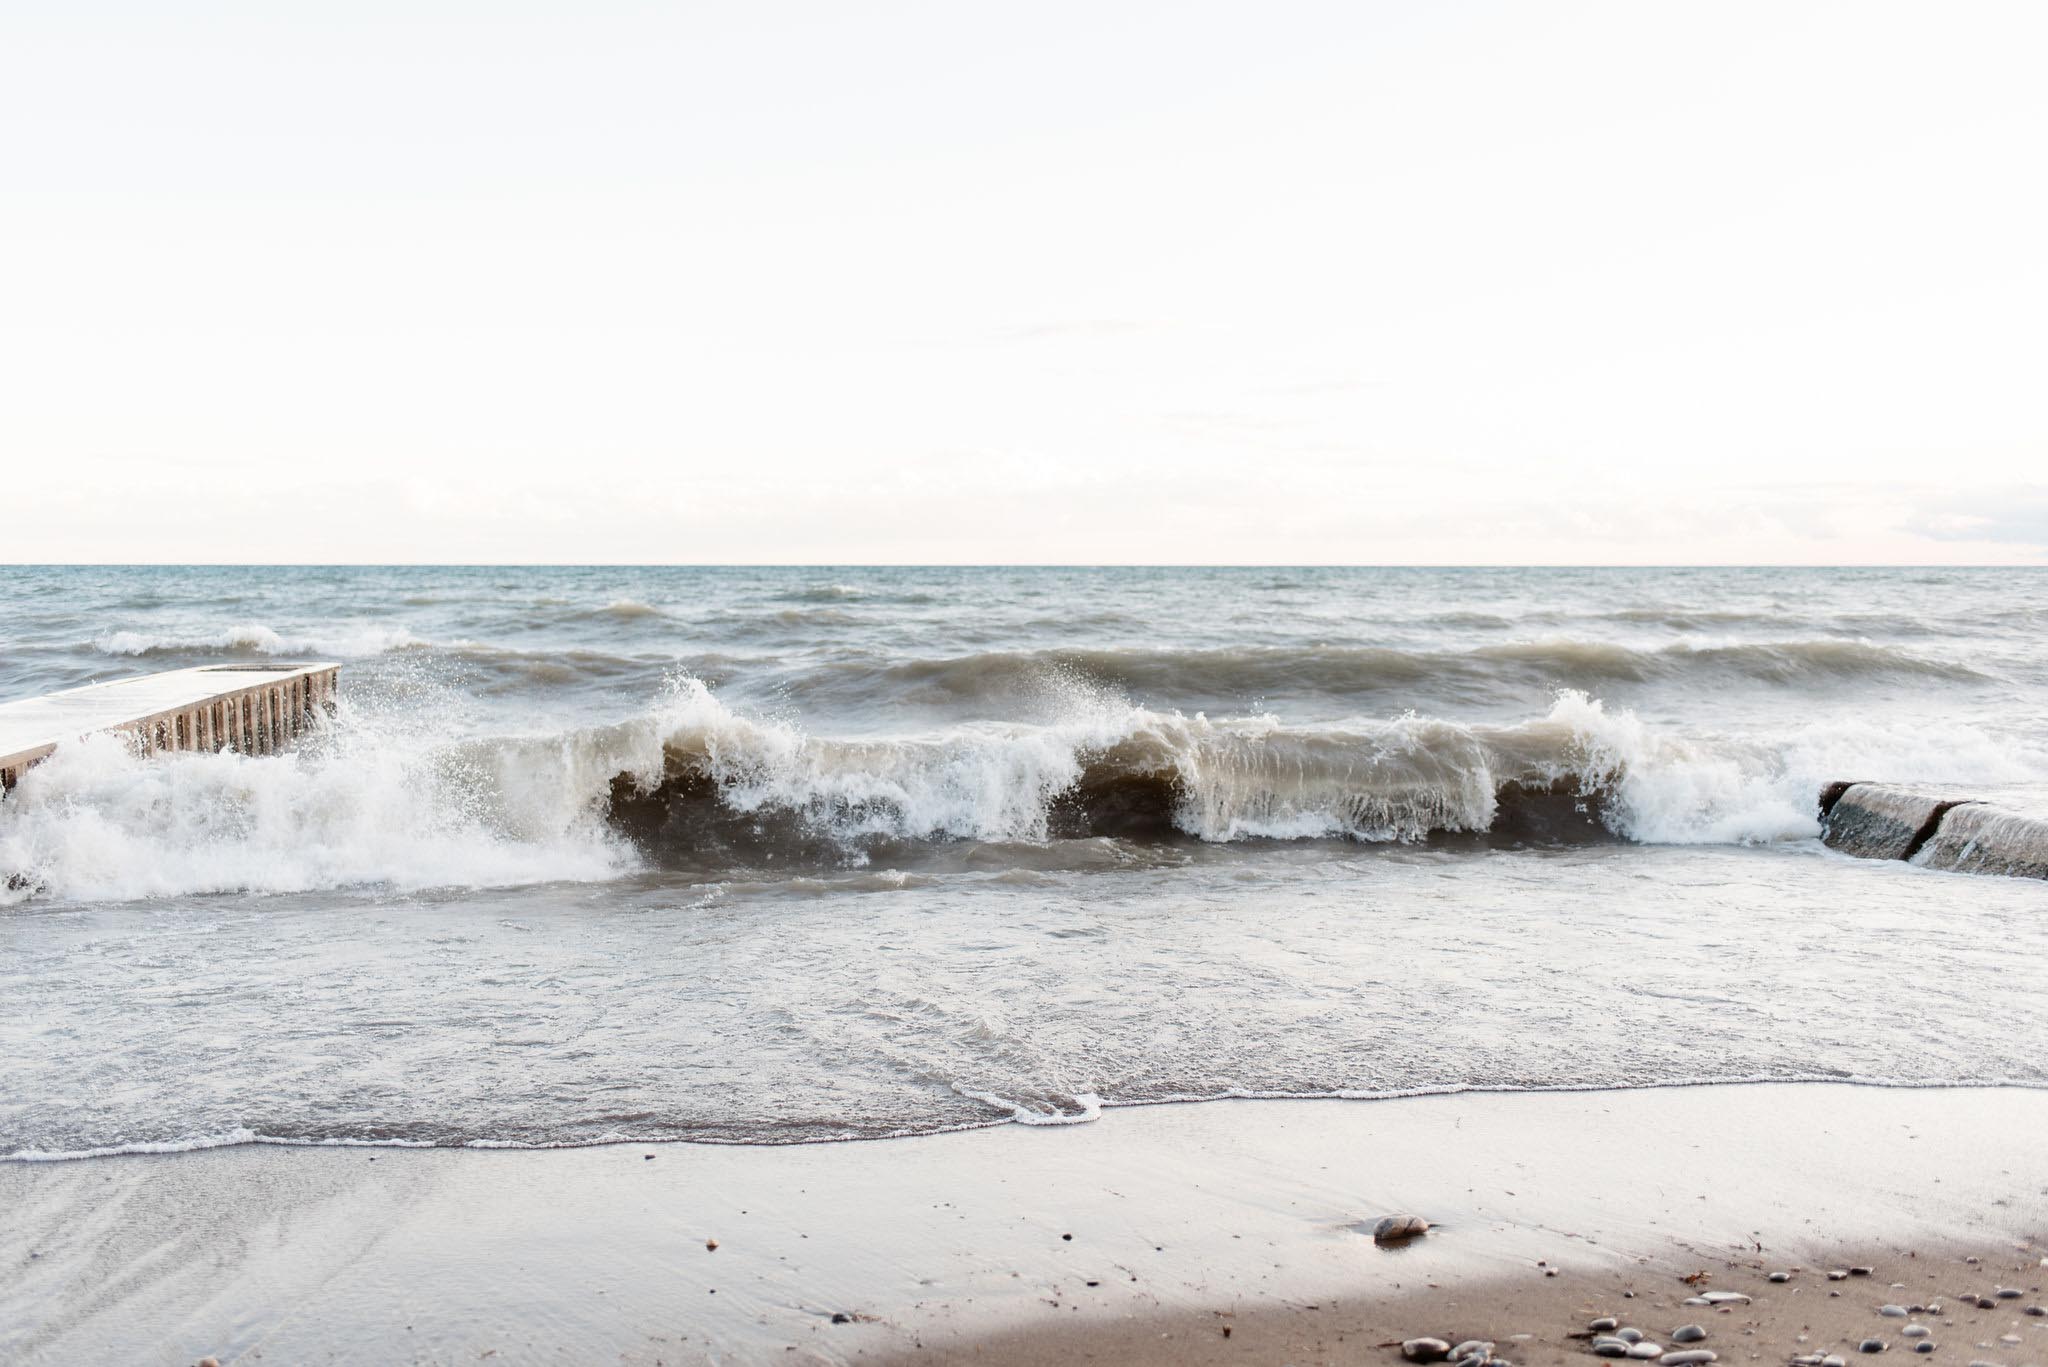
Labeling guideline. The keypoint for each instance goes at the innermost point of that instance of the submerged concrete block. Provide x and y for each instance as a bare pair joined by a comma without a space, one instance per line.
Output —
1876,821
1976,837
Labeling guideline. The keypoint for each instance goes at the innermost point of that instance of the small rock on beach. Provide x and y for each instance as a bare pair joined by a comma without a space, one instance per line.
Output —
1395,1229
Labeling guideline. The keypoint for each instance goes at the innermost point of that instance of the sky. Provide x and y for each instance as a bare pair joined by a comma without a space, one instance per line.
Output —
1421,283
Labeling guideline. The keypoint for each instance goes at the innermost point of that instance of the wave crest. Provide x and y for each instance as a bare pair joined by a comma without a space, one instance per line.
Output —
1367,671
695,784
254,638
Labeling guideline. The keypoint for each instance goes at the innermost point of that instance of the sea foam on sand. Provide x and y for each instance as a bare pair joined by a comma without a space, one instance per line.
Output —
682,1253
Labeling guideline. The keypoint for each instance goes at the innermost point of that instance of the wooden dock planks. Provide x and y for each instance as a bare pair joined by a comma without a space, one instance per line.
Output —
253,709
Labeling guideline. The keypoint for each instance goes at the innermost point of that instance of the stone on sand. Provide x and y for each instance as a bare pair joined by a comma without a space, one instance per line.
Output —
1396,1229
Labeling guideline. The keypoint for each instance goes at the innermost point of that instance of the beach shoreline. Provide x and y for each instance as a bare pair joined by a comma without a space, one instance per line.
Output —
999,1244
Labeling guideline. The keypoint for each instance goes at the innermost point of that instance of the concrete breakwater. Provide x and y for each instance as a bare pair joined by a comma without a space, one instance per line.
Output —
1933,830
254,709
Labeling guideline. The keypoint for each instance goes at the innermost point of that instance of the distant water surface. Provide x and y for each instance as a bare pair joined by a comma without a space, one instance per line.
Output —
767,854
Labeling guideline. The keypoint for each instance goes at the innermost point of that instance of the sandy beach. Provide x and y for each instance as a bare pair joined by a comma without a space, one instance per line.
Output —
1141,1237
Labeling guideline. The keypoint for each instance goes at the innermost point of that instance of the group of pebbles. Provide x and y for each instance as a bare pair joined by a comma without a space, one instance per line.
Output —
1921,1336
1609,1338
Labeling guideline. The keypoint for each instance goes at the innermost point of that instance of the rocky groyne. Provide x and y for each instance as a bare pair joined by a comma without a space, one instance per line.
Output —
1933,830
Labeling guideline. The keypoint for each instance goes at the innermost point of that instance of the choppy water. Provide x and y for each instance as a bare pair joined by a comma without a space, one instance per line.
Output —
769,854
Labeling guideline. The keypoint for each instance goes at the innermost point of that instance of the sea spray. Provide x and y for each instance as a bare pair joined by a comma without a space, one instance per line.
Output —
384,800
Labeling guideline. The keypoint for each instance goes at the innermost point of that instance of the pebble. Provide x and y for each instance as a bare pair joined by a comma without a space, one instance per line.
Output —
1425,1350
1870,1346
1606,1324
1861,1271
1839,1274
1696,1300
1479,1348
1689,1357
2036,1311
1892,1312
1724,1298
2007,1293
711,1245
1610,1347
1399,1228
1986,1303
1981,1363
1629,1335
1781,1276
1916,1331
1688,1333
1924,1346
2008,1338
1645,1350
1834,1360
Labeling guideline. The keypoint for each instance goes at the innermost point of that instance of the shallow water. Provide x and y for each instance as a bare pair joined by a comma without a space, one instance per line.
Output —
762,855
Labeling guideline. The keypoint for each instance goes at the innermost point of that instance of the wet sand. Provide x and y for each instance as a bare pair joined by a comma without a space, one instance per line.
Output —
1534,1318
1083,1242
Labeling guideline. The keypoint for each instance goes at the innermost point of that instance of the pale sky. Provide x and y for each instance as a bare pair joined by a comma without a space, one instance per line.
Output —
513,280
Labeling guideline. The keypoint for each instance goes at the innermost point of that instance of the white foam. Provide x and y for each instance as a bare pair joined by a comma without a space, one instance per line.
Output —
1751,789
357,807
981,781
1088,1108
392,802
343,640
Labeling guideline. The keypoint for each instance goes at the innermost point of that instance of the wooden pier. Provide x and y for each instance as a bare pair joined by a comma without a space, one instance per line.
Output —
253,709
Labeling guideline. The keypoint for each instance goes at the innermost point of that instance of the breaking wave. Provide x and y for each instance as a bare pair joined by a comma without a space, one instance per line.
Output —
628,609
1366,671
344,641
695,784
